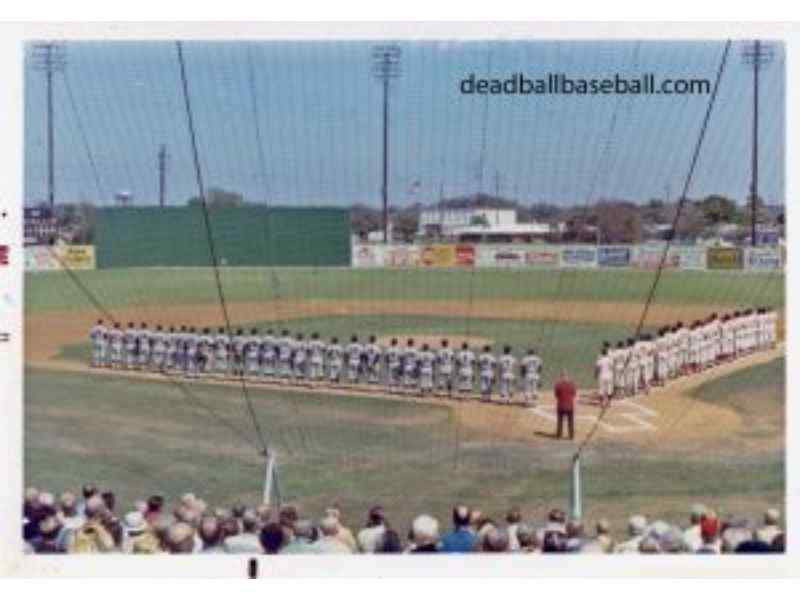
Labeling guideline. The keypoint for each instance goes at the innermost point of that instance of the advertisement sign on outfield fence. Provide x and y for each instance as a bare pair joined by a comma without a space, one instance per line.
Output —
725,258
54,258
614,256
579,257
761,259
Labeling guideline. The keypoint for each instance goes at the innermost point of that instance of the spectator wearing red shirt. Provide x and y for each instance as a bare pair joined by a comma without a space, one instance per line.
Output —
565,393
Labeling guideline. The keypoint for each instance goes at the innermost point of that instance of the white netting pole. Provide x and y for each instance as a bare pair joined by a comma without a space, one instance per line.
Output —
576,493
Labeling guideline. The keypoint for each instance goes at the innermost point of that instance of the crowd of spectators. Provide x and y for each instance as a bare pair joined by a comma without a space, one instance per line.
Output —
89,523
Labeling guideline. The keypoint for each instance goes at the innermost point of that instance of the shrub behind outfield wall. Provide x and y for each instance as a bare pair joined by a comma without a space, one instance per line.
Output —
543,256
243,236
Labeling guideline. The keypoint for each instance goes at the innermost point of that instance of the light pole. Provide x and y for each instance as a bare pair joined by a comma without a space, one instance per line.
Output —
49,57
386,66
757,56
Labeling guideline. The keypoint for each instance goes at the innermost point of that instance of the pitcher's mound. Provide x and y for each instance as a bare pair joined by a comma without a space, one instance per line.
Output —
435,341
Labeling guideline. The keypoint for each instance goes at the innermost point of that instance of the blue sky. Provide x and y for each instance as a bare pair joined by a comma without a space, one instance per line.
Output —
318,110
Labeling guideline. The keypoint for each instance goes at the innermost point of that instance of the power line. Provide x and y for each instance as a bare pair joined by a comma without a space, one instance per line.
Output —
84,137
163,157
681,203
210,236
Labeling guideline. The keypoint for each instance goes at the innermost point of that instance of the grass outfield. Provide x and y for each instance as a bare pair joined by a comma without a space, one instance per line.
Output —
176,286
146,437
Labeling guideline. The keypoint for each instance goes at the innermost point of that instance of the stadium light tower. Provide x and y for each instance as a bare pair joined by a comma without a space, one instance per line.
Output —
758,56
49,57
386,66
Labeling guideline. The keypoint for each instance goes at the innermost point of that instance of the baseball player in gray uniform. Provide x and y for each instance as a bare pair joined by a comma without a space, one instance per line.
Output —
299,359
130,346
285,355
466,369
158,344
115,342
373,356
507,366
316,350
222,349
353,352
143,347
252,351
205,352
426,362
444,368
268,355
410,367
98,337
334,356
394,362
486,364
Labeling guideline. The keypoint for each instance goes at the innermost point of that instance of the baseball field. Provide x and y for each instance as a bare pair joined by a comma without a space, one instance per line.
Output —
717,437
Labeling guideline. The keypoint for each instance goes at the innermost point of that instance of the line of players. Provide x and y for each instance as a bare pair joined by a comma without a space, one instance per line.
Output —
634,365
270,357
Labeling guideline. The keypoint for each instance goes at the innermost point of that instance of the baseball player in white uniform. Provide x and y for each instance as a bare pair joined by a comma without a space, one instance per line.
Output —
507,366
466,369
604,373
444,368
631,369
620,358
98,337
205,352
334,355
486,366
426,363
531,369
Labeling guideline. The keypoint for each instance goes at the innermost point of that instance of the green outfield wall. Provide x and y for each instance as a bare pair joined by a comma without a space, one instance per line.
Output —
243,236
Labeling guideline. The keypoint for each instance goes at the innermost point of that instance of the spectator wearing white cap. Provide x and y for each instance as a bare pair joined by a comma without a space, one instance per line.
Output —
691,536
425,534
637,527
329,542
771,526
247,541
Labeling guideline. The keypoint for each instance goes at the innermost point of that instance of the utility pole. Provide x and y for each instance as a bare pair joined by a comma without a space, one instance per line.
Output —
386,66
49,57
162,174
757,56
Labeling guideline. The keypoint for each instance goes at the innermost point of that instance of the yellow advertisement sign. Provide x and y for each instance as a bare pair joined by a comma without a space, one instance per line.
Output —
725,258
438,255
77,257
